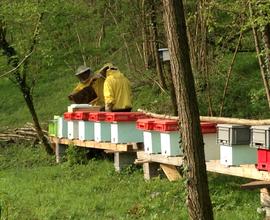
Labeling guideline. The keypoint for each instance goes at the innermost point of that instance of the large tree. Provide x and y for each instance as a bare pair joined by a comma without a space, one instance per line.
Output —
199,203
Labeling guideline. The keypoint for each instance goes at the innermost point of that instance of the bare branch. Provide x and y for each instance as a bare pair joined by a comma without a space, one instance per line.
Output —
17,67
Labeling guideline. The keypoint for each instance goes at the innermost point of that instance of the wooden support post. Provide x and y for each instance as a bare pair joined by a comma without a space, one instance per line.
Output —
150,170
171,172
60,152
123,159
265,201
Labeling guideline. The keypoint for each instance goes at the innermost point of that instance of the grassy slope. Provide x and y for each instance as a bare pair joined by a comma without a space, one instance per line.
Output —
33,187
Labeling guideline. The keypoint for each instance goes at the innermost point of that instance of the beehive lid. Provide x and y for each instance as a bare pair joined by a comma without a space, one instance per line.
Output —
123,116
80,115
166,125
231,126
145,124
208,127
97,116
261,127
68,115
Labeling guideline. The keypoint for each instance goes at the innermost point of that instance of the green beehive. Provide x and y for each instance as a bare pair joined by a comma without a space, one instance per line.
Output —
52,130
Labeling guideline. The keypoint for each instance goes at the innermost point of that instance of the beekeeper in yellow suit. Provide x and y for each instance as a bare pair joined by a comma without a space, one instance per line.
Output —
116,90
94,80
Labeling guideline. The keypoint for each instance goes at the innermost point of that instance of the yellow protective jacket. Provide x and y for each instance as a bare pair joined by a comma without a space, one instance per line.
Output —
117,90
97,85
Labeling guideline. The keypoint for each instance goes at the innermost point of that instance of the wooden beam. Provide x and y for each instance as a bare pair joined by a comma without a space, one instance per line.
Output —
256,185
171,172
158,158
246,171
221,120
130,147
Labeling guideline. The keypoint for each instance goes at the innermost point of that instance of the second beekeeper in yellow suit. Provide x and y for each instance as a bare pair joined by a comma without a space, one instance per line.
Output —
116,90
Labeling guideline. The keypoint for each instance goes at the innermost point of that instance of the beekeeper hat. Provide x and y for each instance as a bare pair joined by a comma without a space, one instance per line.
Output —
82,69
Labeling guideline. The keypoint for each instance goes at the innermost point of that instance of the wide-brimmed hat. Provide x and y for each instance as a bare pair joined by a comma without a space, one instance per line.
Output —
82,69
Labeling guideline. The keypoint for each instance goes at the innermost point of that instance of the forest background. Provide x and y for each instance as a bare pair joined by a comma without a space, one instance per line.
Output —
128,33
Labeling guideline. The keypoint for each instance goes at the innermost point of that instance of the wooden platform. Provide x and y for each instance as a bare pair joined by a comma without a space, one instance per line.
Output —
128,147
245,171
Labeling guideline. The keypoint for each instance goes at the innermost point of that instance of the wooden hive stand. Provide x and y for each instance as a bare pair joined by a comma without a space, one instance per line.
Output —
124,154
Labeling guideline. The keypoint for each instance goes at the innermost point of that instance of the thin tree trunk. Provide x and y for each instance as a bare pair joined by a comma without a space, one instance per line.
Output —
199,203
155,44
172,90
261,62
266,37
145,43
229,74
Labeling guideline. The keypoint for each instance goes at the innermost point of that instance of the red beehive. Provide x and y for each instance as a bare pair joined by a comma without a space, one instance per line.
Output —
208,127
80,115
97,116
145,124
123,116
166,125
69,115
263,161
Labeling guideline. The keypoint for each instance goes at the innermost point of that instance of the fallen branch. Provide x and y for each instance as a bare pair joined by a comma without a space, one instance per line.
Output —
219,120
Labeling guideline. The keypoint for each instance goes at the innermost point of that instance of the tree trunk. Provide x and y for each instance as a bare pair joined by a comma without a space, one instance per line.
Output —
145,43
199,203
266,37
154,34
29,102
172,90
20,80
261,62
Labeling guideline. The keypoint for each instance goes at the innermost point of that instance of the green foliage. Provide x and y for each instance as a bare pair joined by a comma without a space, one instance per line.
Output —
75,155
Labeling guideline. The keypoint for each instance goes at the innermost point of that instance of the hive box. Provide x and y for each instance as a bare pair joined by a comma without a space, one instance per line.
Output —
123,127
151,138
102,129
62,130
237,154
169,137
211,148
86,128
231,134
72,125
260,137
263,159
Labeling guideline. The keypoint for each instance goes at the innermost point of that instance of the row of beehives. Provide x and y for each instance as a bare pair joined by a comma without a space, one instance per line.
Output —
237,144
158,135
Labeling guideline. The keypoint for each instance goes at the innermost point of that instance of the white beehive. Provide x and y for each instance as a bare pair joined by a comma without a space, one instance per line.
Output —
151,141
237,154
102,131
73,129
170,143
86,130
62,128
211,148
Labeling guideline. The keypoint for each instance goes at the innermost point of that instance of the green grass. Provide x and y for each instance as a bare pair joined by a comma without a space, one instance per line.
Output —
32,186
